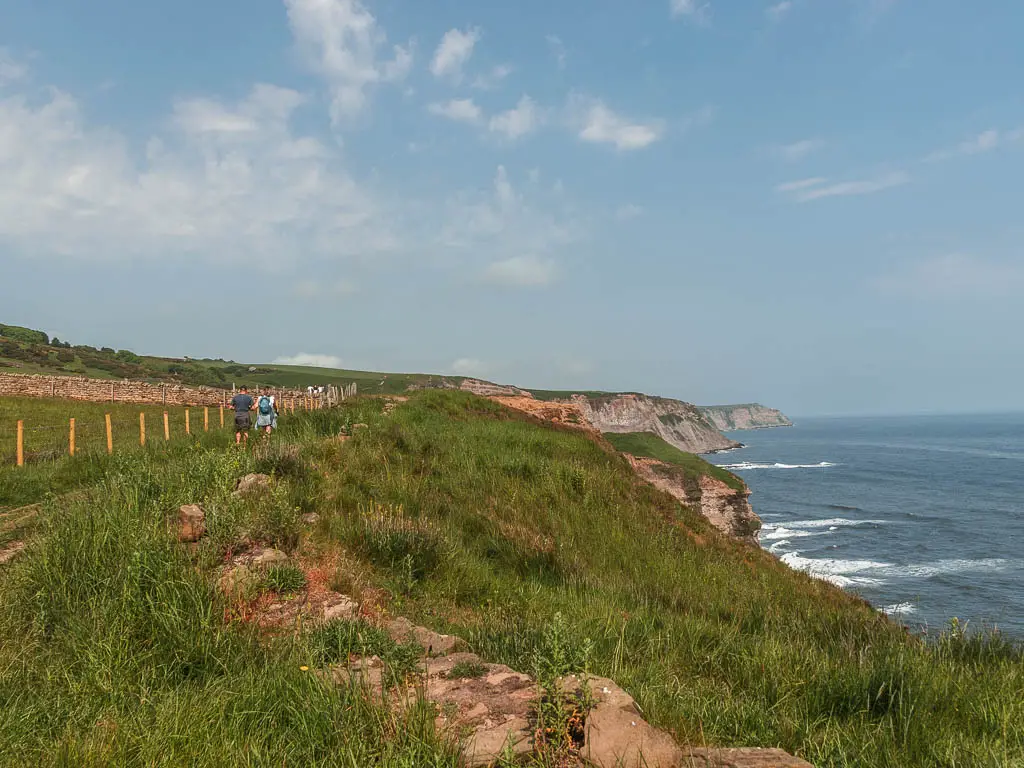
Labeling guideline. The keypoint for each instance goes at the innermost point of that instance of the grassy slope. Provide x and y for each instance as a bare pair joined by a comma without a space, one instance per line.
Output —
479,521
651,446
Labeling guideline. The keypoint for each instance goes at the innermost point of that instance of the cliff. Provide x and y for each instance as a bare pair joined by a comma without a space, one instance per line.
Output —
677,423
746,416
726,508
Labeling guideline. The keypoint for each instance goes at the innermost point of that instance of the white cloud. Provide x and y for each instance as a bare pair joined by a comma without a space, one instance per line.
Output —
693,9
777,11
521,271
10,69
453,52
986,141
806,190
557,48
517,122
342,42
307,360
955,277
600,125
509,237
490,80
468,366
798,150
460,110
225,182
628,211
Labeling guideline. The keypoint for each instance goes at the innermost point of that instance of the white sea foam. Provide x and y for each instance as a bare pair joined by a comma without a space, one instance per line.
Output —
850,573
779,545
774,533
842,573
832,522
899,609
764,465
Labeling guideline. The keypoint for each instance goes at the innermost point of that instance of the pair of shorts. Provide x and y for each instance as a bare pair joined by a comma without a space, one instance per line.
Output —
243,421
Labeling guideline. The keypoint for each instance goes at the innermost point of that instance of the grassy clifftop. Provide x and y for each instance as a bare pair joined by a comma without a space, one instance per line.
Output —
116,647
647,445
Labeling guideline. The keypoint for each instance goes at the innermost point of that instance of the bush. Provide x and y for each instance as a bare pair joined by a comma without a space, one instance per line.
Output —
284,579
25,335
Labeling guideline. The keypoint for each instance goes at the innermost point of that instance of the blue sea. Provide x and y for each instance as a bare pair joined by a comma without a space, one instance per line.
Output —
923,516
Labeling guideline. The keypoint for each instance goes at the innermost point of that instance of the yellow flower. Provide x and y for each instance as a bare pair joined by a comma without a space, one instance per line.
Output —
304,668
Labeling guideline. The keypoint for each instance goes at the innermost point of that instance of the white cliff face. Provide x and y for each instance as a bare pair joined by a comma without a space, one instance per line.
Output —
752,416
677,423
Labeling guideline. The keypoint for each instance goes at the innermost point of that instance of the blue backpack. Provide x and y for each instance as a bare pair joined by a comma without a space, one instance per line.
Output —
265,407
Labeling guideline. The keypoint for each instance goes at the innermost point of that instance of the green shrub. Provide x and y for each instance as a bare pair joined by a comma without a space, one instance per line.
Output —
284,579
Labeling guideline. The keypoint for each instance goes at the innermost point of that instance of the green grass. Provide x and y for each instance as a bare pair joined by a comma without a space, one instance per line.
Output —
535,544
648,445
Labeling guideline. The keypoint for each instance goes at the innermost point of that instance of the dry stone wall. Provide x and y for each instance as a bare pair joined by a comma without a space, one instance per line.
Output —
121,391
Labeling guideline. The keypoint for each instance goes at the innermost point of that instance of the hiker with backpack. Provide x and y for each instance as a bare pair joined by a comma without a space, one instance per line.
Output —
266,412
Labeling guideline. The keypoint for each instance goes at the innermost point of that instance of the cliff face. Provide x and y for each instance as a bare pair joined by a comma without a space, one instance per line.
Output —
725,508
677,423
750,416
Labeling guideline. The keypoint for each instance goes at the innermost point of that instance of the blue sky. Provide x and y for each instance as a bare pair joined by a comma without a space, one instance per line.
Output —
815,203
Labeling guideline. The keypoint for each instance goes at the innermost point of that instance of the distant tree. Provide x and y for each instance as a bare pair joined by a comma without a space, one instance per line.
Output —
127,356
55,342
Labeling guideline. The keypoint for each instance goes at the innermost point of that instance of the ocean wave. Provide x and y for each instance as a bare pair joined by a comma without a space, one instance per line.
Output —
850,573
774,533
832,522
844,508
764,465
779,545
899,609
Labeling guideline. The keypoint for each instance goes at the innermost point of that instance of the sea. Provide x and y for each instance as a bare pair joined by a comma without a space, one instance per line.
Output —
922,516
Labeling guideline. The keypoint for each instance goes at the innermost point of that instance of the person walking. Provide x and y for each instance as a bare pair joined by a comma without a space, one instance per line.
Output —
266,412
242,403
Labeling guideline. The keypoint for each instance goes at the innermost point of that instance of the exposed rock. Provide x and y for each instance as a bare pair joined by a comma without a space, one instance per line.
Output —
617,736
261,557
310,518
340,607
559,413
10,550
725,508
741,758
677,423
747,416
401,629
192,523
489,389
238,583
252,485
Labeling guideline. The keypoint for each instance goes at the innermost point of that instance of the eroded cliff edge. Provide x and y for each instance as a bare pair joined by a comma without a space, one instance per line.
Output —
746,416
678,423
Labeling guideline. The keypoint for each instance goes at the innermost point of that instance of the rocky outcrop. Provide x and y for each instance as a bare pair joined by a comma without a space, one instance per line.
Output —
674,421
747,416
488,389
569,414
725,508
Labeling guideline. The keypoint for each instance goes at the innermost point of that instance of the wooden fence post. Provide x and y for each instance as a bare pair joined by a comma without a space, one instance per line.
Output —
110,436
21,443
206,419
188,426
222,417
167,427
71,438
142,428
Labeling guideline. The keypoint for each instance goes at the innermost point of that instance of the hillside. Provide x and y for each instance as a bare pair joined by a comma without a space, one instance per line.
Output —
24,350
536,544
747,416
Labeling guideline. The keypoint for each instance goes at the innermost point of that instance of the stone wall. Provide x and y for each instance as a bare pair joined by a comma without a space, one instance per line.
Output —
121,391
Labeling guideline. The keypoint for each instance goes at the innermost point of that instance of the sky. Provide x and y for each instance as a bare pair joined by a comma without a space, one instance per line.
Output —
814,204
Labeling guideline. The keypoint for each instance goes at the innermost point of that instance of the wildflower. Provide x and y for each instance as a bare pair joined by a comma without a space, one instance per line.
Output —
304,668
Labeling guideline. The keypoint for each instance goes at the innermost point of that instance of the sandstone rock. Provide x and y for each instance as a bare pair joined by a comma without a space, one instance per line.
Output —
741,758
310,518
752,416
340,607
252,485
192,521
10,550
617,736
433,643
238,583
262,558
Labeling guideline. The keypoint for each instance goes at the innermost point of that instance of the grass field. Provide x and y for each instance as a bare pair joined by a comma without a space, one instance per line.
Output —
648,445
115,647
